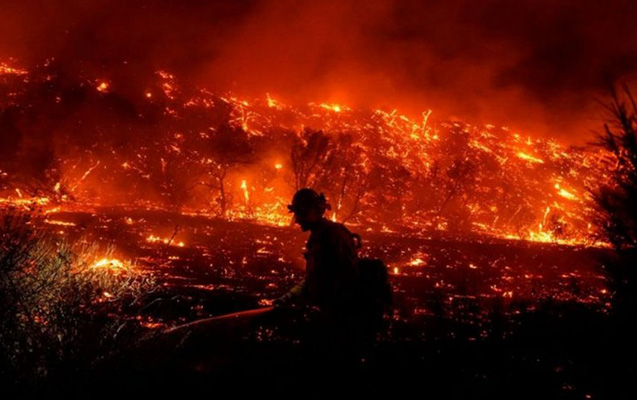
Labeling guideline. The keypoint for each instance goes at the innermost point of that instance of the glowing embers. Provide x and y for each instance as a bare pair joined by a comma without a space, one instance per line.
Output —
380,169
167,241
246,193
24,201
102,86
168,85
565,193
110,264
530,158
60,223
419,261
6,69
266,214
273,103
333,107
266,302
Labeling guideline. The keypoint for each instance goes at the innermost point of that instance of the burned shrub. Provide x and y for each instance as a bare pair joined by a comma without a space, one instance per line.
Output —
59,305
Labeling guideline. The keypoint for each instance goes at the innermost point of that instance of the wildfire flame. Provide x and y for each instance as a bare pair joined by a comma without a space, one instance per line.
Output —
246,194
112,264
171,241
377,167
103,87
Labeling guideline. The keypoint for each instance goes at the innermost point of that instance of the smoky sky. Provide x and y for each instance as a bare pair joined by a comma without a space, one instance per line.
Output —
534,65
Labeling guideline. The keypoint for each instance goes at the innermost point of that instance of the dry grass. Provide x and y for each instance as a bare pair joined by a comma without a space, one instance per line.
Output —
60,306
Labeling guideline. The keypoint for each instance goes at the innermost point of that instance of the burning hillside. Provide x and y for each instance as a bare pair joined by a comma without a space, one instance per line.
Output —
80,142
149,152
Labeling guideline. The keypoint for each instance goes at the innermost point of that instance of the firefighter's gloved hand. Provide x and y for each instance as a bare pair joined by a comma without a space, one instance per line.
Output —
290,298
284,301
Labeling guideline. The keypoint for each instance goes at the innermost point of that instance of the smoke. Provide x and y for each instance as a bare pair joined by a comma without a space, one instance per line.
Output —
536,66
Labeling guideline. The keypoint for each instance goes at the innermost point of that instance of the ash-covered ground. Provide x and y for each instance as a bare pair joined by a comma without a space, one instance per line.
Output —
471,315
218,266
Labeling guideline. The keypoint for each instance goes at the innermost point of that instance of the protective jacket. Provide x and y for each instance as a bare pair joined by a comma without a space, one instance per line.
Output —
331,276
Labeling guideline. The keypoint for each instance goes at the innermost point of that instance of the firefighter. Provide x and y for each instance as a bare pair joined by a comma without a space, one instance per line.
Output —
331,281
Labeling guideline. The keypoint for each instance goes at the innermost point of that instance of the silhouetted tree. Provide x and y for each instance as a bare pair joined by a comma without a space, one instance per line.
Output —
617,202
342,176
228,147
309,154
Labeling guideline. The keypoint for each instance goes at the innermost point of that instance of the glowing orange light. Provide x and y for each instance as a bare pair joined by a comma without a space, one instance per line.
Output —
102,87
272,103
566,194
417,262
7,70
530,158
244,187
266,302
108,263
332,107
171,241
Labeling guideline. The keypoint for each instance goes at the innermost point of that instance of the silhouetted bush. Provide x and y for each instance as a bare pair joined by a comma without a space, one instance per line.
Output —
59,309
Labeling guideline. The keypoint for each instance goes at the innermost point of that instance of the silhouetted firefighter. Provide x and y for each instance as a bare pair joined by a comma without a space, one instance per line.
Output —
337,309
351,294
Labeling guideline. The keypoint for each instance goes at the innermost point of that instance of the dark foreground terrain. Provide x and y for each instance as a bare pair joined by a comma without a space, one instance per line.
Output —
472,318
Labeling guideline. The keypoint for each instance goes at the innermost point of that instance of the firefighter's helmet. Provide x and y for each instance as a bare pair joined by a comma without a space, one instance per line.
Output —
306,199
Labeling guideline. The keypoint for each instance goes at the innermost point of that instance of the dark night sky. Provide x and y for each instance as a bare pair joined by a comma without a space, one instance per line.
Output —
535,65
